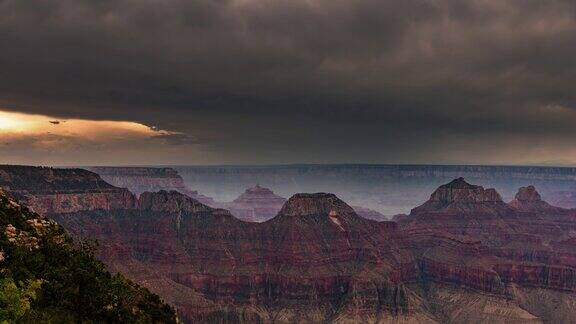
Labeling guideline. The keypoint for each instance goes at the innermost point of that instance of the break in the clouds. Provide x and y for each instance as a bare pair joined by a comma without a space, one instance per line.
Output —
271,81
38,139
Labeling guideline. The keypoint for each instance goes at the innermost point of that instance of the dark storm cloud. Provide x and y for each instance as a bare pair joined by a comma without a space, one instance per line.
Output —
260,77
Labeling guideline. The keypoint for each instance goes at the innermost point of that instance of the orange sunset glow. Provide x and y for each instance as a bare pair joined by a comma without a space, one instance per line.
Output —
15,124
47,139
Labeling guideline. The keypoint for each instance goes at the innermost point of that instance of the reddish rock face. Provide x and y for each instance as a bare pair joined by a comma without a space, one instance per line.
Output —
460,196
259,204
50,190
292,262
516,239
317,260
142,179
61,203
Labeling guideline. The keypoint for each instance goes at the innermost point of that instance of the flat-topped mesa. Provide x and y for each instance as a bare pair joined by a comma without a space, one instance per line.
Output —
141,179
305,204
52,190
460,196
528,199
31,179
170,201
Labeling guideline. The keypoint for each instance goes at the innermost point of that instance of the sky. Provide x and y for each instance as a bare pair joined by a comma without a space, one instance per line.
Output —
142,82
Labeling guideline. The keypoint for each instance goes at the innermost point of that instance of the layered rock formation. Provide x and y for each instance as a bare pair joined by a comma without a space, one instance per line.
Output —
45,278
143,179
256,204
293,267
464,255
459,196
317,260
502,243
51,190
259,204
388,189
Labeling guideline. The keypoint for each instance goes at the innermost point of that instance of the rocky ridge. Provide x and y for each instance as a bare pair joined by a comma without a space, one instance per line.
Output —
259,204
52,190
44,277
460,196
145,179
463,255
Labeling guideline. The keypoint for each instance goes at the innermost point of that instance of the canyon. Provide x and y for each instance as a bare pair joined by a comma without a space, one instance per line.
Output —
255,204
46,278
464,255
386,188
259,204
143,179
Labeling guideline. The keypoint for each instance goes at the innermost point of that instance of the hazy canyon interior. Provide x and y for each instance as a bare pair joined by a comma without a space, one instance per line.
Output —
463,254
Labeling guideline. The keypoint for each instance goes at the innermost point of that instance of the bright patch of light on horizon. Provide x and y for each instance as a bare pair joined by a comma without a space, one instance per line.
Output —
48,140
29,124
10,122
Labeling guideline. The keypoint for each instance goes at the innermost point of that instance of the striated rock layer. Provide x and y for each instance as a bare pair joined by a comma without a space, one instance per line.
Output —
463,256
143,179
256,204
51,190
259,204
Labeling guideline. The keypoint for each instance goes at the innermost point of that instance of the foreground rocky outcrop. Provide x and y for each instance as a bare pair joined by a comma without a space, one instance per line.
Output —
463,256
44,278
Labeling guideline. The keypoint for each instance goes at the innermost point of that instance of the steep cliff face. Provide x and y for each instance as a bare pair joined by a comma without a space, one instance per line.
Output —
514,241
51,190
459,196
296,266
465,255
45,278
388,189
259,204
145,179
459,208
318,260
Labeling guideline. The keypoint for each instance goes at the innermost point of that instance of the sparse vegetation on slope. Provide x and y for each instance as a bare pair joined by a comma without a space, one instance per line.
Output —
45,278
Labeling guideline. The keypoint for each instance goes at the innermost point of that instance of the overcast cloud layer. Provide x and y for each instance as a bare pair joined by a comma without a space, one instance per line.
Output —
283,81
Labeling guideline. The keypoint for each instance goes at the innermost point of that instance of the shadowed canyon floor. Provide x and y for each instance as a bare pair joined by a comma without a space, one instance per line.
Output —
463,256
